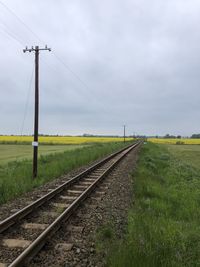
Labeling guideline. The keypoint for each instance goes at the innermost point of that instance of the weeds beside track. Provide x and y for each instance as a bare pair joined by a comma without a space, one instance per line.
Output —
163,228
16,177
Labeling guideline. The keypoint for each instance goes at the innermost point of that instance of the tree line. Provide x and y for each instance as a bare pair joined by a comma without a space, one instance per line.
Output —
194,136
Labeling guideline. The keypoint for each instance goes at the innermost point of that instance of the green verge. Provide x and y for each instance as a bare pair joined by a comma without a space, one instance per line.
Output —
16,176
19,152
163,224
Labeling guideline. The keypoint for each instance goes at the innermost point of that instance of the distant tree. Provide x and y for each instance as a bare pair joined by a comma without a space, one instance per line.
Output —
180,143
179,136
195,136
169,136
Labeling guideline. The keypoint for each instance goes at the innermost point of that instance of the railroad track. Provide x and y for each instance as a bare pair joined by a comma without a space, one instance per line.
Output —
23,234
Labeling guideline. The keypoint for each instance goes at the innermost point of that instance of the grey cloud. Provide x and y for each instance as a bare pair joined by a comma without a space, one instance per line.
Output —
139,60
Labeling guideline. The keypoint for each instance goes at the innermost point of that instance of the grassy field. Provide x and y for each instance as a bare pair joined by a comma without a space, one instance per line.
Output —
18,152
16,176
163,224
185,141
69,140
189,154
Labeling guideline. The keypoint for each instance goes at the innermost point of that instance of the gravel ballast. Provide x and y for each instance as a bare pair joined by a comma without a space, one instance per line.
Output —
75,243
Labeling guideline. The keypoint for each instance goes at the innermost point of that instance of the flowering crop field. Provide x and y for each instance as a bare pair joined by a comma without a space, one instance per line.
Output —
61,139
186,141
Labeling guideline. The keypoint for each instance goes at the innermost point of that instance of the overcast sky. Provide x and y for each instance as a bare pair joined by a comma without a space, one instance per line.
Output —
133,62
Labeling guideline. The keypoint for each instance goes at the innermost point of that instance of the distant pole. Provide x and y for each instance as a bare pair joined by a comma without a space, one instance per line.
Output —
124,133
36,116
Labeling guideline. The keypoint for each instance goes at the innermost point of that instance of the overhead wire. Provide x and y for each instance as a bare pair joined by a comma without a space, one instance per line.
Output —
9,36
20,20
27,100
70,70
42,41
10,33
61,61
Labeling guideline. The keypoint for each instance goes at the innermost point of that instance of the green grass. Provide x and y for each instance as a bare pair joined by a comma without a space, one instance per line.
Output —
16,176
163,224
189,154
104,236
10,152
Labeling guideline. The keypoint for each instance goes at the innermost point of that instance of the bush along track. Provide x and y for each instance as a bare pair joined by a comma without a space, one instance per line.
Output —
16,176
163,224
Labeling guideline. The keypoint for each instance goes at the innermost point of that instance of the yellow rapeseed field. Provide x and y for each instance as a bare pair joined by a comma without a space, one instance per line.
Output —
186,141
62,139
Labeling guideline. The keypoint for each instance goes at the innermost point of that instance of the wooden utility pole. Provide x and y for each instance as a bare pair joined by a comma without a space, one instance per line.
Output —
36,49
124,133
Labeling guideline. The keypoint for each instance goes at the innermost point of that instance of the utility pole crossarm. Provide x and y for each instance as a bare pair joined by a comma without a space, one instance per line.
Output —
36,49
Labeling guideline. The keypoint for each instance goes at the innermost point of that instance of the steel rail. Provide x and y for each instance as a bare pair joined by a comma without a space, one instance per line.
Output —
39,242
16,217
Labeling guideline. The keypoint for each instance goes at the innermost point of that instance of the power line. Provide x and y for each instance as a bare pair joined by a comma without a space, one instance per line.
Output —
27,100
7,35
50,66
61,61
10,33
20,20
70,70
39,39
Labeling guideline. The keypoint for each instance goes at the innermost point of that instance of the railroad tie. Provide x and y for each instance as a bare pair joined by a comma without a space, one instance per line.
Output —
80,187
74,192
49,213
16,243
85,183
14,211
61,205
37,226
89,179
51,189
93,176
68,197
97,173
